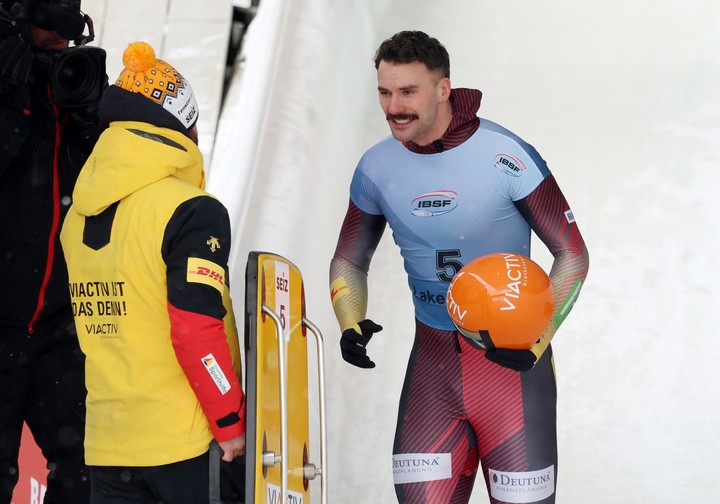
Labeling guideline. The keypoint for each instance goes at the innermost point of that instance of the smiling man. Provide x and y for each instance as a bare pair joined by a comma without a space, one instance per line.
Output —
452,187
416,107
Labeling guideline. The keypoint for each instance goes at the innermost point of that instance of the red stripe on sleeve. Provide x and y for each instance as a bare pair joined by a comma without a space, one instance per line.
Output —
202,350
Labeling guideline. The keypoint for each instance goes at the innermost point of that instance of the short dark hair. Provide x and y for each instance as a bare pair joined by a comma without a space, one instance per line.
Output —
411,46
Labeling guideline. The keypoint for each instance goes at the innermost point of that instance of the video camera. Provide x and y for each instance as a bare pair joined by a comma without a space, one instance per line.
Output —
77,74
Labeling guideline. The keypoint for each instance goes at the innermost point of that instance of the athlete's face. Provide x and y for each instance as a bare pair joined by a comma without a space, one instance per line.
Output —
414,100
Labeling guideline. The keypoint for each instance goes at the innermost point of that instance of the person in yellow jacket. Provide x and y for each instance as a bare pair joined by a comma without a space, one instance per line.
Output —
147,251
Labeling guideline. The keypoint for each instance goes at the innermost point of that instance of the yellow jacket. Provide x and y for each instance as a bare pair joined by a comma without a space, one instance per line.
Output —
147,252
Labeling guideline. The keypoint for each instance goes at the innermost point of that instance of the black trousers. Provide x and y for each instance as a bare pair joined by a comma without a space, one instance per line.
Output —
185,482
42,382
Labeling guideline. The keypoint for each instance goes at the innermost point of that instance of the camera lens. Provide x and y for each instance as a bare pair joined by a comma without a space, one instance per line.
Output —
73,73
78,76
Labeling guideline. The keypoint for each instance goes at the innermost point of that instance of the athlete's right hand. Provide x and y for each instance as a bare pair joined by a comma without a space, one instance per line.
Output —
354,340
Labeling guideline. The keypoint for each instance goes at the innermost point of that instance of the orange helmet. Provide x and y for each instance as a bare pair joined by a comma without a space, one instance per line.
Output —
501,300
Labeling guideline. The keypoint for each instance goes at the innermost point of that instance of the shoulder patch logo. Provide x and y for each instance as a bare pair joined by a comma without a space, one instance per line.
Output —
214,243
434,203
569,216
509,164
205,272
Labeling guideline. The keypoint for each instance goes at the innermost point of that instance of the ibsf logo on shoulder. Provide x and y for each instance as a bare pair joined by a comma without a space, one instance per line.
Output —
509,164
434,203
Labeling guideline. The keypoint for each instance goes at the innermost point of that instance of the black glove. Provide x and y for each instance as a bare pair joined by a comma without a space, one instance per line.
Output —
352,344
519,360
15,70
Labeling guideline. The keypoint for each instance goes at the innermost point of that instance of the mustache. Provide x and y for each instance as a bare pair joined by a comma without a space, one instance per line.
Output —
392,117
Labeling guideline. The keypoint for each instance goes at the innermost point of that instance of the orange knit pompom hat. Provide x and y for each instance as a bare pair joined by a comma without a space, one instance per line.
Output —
156,80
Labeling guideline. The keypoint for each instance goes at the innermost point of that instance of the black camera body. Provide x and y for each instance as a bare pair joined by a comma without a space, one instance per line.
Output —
76,75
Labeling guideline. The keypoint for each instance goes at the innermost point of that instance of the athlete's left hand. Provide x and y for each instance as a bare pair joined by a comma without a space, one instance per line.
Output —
519,360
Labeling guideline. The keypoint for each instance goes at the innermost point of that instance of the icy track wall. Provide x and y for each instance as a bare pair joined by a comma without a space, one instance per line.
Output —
621,100
290,135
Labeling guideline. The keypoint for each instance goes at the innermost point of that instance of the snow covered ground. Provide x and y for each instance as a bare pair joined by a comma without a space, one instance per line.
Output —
620,97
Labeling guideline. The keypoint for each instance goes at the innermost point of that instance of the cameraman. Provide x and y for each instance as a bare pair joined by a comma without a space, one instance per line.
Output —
47,131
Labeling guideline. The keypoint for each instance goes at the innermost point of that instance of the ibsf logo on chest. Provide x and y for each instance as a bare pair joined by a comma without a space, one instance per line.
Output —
509,164
434,203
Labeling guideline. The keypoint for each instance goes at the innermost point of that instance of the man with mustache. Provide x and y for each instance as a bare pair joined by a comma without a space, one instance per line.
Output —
452,187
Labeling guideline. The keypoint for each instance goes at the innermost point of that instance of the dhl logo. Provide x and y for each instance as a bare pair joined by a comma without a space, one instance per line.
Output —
205,272
209,273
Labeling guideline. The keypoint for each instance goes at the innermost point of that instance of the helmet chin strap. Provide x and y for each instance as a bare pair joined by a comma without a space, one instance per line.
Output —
485,340
480,339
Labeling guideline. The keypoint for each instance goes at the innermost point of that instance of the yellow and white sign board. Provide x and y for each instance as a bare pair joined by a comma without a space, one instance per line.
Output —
274,313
